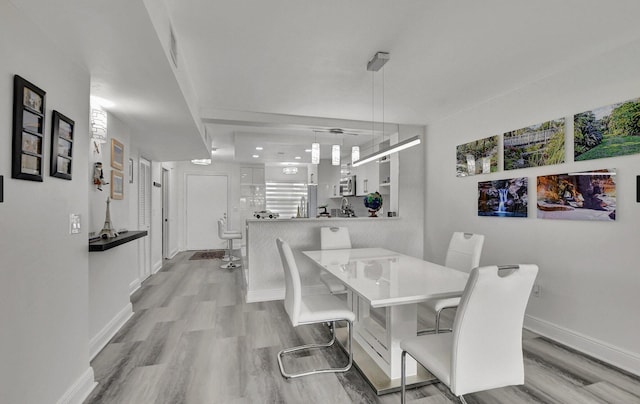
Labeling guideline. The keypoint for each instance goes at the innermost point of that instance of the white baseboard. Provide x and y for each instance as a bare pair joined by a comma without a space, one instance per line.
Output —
102,338
601,350
173,253
134,285
156,267
80,389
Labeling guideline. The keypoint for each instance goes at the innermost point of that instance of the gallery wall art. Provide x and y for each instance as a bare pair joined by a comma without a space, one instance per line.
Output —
534,146
608,131
503,198
588,195
477,157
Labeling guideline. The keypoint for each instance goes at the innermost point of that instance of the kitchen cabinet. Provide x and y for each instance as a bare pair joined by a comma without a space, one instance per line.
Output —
328,182
367,177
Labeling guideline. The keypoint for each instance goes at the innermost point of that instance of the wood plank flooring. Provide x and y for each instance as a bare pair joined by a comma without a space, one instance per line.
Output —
194,340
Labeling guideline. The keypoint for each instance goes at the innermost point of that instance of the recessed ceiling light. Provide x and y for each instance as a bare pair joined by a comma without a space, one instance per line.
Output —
259,148
307,150
255,156
297,157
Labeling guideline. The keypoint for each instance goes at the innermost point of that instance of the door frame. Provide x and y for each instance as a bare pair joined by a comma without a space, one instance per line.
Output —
166,252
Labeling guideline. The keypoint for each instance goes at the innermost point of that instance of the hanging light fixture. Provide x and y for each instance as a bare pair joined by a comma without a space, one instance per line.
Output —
315,150
375,64
335,155
355,154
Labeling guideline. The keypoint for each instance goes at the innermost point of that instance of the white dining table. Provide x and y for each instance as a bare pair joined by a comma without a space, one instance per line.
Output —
385,288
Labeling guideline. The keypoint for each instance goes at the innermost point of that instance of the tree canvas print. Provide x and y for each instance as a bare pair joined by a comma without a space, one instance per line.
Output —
608,131
588,195
503,198
477,157
534,146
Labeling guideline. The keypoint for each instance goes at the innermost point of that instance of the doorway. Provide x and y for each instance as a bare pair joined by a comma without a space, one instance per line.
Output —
206,202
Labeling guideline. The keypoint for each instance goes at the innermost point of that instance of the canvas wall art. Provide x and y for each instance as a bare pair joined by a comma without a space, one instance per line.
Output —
534,146
608,131
588,195
503,198
478,157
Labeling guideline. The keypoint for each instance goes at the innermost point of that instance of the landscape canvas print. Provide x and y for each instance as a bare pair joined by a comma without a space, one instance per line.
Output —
503,198
608,131
478,157
534,146
589,195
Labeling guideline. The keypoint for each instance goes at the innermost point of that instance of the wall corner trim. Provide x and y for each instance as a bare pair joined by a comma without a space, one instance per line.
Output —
80,389
102,338
618,357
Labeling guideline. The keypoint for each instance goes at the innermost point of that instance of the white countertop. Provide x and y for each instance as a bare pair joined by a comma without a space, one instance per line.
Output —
387,278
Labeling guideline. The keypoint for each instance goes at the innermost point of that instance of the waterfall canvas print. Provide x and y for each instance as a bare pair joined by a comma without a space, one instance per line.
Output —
608,131
503,198
477,157
588,195
534,146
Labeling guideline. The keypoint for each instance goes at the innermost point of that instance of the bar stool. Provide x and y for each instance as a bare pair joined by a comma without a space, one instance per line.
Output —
225,228
229,236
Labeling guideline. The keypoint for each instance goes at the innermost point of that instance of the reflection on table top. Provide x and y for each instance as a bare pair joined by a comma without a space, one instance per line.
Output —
387,278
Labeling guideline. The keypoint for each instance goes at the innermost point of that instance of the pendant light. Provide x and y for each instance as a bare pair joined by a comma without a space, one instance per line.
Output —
315,150
355,154
375,64
335,155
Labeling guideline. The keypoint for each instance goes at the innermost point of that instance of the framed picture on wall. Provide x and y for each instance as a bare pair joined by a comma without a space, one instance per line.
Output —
117,185
61,146
28,130
117,155
130,171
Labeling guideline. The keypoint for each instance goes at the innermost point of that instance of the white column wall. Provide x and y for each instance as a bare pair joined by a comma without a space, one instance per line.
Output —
588,270
43,271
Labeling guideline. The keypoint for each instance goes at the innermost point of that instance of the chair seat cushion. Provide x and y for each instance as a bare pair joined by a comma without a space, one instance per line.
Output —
433,352
435,305
321,308
232,234
332,283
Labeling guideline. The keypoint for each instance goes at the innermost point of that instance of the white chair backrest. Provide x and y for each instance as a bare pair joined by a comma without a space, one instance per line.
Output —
464,251
334,238
293,288
487,330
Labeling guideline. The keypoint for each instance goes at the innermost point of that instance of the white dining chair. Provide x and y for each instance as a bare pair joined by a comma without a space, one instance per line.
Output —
484,351
463,254
311,310
229,236
334,238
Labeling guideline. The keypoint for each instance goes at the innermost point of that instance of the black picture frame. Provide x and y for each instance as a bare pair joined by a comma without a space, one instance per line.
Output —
29,108
62,133
130,171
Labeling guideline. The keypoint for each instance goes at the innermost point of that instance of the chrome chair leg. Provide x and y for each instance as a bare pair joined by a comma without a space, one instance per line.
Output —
321,345
462,400
230,264
436,329
403,376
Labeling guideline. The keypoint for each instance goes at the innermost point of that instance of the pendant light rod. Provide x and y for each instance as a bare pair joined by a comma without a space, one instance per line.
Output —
385,151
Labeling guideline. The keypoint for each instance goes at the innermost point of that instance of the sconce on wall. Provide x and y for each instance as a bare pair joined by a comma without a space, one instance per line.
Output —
98,125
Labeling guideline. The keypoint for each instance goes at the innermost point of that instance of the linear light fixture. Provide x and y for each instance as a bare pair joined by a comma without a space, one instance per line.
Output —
385,151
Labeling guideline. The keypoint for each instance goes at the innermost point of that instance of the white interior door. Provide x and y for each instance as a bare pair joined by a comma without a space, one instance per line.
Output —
144,217
206,203
165,214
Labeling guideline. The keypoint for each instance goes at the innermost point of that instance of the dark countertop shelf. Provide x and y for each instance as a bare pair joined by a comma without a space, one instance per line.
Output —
103,245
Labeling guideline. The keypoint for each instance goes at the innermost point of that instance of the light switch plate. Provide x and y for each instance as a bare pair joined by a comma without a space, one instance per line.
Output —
74,223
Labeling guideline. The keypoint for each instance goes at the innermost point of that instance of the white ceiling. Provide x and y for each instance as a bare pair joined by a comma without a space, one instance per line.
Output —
272,71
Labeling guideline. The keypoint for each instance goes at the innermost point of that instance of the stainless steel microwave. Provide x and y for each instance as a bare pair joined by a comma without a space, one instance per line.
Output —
348,185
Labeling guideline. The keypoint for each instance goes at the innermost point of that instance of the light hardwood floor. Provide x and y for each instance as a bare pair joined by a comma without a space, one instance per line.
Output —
193,339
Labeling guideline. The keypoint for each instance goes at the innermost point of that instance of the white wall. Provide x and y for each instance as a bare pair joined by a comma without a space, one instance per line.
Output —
43,271
588,270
